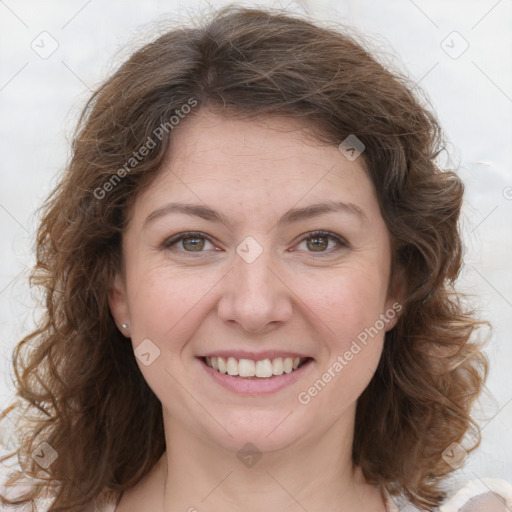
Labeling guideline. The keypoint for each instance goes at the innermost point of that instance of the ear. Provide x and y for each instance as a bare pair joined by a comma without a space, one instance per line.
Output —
118,303
397,292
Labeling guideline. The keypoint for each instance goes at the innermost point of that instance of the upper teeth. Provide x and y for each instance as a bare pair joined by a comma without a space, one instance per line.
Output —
250,368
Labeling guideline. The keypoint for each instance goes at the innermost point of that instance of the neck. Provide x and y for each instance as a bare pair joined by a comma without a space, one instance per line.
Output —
310,474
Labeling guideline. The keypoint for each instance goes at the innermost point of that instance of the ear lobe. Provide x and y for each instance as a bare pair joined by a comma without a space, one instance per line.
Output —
117,302
392,313
397,291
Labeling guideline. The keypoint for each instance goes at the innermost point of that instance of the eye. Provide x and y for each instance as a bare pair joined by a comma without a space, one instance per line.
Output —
187,242
319,242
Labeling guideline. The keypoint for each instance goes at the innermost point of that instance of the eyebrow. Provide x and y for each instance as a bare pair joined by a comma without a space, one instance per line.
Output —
291,216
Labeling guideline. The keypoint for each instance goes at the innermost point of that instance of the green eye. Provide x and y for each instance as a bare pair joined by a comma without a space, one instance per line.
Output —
193,243
190,242
318,242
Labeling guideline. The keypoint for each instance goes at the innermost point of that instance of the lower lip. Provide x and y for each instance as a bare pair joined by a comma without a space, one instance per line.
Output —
257,386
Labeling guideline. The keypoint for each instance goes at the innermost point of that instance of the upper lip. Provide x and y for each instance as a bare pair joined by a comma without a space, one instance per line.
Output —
255,356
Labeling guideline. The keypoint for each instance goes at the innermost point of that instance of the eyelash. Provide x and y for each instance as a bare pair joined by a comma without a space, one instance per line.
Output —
168,243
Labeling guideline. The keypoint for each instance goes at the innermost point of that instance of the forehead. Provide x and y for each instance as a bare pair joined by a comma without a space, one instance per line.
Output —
221,160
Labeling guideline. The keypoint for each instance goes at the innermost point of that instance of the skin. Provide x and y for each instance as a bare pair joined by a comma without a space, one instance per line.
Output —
294,296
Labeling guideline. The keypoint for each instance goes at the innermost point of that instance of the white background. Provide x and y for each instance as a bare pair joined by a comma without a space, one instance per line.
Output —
472,95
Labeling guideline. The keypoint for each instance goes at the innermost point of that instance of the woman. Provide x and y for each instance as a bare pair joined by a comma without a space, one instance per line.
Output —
249,270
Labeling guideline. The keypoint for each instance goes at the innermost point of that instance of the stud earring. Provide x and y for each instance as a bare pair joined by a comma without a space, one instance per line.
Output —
124,326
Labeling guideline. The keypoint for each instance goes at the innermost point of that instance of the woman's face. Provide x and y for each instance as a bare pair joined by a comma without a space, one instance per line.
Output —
253,281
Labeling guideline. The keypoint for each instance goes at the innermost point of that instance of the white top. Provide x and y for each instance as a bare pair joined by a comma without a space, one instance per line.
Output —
479,495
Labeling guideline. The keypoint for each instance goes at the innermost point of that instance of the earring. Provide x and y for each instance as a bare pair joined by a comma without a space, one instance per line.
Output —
124,326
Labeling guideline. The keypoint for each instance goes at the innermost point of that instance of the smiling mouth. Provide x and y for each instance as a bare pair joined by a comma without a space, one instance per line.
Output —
250,369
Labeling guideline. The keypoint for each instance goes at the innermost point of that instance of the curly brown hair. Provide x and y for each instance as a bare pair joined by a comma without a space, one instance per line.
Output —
79,386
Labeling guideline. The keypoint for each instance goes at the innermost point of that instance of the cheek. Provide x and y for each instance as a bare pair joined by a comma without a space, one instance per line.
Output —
347,312
166,309
348,319
347,303
343,380
163,303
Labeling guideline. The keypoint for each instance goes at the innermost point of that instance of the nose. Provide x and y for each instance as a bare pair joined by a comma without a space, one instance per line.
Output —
255,296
